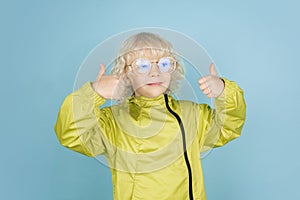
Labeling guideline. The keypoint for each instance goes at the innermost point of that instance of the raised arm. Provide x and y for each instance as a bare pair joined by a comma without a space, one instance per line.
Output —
77,126
81,125
224,123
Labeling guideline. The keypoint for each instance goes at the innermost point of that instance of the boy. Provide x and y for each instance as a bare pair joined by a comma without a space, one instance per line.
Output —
151,141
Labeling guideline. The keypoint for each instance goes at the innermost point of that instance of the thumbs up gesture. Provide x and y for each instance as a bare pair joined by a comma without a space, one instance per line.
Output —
212,85
107,86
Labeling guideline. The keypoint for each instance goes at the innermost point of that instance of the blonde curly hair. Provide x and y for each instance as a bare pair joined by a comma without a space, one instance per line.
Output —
140,45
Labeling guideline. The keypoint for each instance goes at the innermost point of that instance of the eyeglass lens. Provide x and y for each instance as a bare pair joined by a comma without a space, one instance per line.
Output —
143,65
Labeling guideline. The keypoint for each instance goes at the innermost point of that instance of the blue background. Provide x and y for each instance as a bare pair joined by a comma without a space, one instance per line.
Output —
255,43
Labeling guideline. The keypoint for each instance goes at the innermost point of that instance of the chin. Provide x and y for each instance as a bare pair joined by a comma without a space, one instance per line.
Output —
151,92
155,95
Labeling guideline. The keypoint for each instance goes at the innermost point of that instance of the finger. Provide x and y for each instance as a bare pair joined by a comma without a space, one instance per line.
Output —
206,91
205,79
203,86
101,72
209,95
212,69
202,80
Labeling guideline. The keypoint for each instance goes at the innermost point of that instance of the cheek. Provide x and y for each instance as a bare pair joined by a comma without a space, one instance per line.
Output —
137,82
167,78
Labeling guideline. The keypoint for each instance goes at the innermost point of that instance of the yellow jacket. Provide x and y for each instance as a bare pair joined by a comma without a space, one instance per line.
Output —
152,145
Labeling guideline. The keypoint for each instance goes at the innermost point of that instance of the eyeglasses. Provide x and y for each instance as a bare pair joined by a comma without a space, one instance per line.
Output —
143,66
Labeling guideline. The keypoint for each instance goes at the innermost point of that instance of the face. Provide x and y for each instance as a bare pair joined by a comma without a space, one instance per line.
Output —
151,84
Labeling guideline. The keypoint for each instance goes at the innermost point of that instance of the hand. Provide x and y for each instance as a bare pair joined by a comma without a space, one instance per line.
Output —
212,85
106,86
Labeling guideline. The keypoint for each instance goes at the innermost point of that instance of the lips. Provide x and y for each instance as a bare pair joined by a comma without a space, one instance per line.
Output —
154,84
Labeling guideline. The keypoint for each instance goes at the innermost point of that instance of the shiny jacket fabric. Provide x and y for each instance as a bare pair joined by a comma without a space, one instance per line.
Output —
151,153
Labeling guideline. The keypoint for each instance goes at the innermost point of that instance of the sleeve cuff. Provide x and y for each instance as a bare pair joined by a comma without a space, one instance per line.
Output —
90,93
230,88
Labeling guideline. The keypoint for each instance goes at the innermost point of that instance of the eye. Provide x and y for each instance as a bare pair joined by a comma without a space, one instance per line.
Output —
165,64
142,65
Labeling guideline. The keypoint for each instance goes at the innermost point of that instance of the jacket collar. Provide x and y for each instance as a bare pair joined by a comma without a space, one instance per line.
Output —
140,103
144,102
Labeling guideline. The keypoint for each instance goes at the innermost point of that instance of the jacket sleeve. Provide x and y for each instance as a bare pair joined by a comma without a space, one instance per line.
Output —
224,123
80,123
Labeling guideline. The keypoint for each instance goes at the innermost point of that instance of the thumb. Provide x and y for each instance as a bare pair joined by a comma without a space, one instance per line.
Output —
101,72
212,69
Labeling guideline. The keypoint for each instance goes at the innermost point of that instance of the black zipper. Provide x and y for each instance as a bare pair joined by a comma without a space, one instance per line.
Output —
184,147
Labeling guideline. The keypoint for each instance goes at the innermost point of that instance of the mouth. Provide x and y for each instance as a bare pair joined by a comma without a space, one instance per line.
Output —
155,84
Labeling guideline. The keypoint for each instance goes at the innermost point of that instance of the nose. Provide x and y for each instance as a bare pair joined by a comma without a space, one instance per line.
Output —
154,71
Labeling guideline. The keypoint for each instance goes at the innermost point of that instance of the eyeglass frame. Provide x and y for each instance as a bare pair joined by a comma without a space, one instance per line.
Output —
174,65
